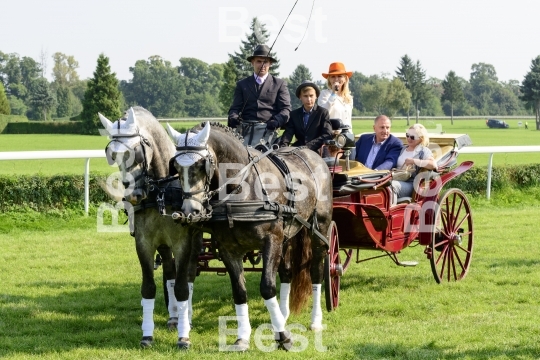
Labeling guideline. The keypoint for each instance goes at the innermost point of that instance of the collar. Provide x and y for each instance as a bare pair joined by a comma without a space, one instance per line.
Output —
381,143
261,78
310,111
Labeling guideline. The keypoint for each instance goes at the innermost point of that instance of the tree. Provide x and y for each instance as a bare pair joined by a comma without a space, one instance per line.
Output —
298,76
414,78
356,81
259,35
64,101
64,70
4,104
102,95
383,96
453,92
374,96
530,89
226,93
41,100
157,86
398,97
203,82
483,82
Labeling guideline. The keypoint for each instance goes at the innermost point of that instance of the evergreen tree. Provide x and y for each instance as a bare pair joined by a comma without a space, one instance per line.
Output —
42,99
226,92
530,89
64,101
452,92
414,78
4,103
299,74
259,35
102,95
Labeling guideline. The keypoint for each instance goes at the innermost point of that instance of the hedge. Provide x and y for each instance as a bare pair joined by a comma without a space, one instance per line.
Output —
41,192
45,127
6,119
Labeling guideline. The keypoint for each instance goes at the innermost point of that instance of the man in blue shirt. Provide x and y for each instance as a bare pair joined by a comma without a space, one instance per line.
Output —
380,150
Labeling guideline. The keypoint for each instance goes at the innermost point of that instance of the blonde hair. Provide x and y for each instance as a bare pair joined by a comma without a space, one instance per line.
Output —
422,133
346,92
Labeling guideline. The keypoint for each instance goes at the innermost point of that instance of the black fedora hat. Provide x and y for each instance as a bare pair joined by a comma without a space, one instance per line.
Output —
307,83
262,51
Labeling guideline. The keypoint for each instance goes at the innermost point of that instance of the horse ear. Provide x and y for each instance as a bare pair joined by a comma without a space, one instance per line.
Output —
204,134
131,117
107,124
173,133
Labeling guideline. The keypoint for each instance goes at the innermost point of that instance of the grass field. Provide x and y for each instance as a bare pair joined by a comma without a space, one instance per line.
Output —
69,292
476,129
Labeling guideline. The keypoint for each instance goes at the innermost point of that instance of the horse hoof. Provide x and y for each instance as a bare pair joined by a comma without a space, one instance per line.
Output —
183,343
147,341
316,327
285,341
172,324
240,345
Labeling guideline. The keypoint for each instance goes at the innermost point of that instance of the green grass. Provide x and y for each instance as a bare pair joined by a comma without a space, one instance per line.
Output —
69,292
480,134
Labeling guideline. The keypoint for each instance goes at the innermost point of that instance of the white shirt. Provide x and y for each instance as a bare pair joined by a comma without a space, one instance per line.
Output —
415,154
336,106
260,79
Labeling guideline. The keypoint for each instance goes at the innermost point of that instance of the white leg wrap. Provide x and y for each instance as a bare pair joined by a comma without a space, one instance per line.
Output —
183,321
242,315
190,303
284,291
148,317
173,309
316,312
276,317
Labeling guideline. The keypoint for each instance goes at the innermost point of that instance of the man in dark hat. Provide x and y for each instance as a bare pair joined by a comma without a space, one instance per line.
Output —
261,102
310,124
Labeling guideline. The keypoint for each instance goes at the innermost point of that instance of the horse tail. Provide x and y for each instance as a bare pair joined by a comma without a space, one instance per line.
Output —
301,288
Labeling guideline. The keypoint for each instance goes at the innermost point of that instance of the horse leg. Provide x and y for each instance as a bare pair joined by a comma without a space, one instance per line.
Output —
169,276
145,252
235,268
196,239
271,260
284,272
317,276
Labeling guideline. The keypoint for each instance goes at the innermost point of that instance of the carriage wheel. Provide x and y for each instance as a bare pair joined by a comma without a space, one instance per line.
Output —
451,244
332,269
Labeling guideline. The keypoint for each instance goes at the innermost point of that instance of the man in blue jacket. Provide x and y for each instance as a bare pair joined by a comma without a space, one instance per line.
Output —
379,151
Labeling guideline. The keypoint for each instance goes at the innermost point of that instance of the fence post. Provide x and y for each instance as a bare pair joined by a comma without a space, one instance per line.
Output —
86,186
490,166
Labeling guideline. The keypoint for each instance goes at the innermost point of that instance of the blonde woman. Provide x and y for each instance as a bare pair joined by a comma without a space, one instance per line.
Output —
415,155
337,98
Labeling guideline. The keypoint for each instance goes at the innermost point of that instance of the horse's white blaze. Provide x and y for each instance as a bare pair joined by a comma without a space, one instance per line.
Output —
185,176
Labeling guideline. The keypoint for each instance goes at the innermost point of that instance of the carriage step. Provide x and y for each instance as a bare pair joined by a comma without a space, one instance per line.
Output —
407,263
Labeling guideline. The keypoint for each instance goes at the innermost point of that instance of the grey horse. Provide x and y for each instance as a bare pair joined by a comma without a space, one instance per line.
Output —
141,148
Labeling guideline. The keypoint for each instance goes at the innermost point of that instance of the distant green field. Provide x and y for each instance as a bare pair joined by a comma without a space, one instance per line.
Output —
480,134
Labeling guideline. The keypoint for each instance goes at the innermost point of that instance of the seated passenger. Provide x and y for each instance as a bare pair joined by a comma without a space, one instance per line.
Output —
379,151
310,124
415,156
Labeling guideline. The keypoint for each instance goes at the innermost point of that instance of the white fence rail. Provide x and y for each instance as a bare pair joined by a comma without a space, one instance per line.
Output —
91,154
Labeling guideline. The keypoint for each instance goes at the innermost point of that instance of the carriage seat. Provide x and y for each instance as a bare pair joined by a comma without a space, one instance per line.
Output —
357,178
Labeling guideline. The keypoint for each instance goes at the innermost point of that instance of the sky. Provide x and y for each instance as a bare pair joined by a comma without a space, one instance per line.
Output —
369,36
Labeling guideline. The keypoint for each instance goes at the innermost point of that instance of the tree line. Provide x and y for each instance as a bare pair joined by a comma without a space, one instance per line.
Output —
194,88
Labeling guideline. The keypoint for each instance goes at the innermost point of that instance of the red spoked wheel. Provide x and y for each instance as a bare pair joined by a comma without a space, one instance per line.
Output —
332,268
451,245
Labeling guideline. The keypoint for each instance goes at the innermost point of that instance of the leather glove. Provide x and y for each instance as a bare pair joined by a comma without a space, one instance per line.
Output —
272,124
233,122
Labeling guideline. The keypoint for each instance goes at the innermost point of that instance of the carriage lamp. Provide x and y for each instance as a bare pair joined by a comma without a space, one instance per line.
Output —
345,141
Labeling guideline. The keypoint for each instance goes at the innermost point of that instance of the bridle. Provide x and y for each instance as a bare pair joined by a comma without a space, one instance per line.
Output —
210,166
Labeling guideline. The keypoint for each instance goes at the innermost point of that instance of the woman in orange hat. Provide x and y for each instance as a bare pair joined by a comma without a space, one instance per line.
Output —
337,98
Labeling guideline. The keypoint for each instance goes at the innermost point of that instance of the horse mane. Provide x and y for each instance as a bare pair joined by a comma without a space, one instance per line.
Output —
224,128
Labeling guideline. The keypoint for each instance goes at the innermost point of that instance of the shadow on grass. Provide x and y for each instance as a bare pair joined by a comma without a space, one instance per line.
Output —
433,351
107,315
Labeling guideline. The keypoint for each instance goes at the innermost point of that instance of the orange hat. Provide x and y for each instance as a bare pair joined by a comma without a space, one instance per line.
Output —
337,68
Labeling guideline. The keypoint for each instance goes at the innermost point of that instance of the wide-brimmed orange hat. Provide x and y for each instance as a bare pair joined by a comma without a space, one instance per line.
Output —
337,68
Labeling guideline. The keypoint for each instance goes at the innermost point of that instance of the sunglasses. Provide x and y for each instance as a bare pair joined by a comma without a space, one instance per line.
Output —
412,137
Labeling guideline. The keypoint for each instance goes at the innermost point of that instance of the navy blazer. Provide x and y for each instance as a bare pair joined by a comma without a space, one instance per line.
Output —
313,135
387,156
271,102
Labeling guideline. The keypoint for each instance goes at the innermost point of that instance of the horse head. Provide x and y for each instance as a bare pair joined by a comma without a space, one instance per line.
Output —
133,153
195,163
